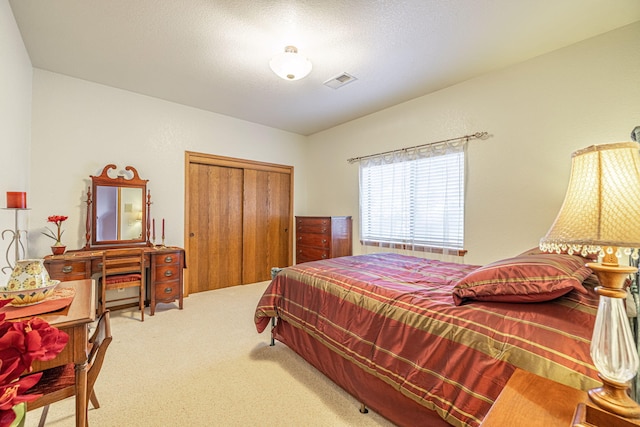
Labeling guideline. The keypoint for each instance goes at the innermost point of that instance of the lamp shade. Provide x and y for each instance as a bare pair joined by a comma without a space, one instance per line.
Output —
602,204
290,65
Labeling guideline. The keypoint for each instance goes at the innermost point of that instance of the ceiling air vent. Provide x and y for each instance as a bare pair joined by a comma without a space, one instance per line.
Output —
340,80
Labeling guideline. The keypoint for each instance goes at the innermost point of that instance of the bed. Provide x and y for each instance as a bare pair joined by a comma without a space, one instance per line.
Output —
426,342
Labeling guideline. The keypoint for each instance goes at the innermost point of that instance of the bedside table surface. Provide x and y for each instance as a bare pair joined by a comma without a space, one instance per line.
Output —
532,401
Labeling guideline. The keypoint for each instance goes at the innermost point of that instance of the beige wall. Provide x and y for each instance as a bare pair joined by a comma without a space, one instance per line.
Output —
15,127
537,112
79,127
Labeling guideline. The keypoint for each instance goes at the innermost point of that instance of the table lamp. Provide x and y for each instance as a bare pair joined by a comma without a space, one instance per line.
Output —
601,215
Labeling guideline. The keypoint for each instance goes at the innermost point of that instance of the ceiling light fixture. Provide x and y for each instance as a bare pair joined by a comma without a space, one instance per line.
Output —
290,65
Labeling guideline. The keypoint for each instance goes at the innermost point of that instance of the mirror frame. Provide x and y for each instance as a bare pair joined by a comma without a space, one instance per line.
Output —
104,180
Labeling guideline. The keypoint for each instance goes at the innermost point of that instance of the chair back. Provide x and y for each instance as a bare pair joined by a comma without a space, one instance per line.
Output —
98,344
122,261
122,268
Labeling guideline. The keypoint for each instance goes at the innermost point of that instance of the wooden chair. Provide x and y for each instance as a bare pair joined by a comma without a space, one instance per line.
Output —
122,268
60,382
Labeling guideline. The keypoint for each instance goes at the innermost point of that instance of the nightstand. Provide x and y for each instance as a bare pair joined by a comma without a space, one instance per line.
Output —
532,401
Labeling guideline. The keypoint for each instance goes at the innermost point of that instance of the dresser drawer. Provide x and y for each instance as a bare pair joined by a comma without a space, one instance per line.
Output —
309,253
313,225
168,259
68,270
167,291
167,272
310,239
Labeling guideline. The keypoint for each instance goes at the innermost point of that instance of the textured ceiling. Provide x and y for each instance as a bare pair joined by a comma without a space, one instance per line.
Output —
214,54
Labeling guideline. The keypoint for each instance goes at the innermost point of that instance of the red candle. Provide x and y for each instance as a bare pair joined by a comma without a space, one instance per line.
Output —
162,228
154,229
16,199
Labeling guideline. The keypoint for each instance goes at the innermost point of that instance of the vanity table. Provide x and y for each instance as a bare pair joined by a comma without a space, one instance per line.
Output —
164,271
119,216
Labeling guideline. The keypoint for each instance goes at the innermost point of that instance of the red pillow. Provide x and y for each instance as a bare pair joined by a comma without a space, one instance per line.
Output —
526,278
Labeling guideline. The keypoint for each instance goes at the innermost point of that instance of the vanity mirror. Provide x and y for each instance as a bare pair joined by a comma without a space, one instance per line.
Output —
120,210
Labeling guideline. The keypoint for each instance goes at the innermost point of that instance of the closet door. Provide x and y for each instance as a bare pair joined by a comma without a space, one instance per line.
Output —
215,220
238,221
266,222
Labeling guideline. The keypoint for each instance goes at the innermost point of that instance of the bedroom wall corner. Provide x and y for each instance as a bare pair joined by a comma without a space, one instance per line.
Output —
15,125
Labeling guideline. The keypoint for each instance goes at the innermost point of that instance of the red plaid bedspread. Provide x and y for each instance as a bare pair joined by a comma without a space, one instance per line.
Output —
393,316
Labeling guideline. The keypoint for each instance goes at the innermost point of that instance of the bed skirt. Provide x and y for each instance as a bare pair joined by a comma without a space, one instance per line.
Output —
373,392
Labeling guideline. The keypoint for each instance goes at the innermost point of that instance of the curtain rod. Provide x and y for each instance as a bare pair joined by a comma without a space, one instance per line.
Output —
477,135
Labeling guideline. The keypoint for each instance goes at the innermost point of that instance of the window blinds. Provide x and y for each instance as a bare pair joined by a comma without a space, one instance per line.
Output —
414,198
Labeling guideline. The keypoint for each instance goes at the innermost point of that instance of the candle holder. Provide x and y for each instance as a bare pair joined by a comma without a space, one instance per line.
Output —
162,246
16,242
153,235
16,199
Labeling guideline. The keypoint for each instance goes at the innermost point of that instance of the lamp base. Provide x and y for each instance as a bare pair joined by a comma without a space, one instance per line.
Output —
589,416
613,397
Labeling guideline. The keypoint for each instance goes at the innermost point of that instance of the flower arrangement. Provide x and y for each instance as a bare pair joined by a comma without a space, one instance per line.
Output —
21,343
57,220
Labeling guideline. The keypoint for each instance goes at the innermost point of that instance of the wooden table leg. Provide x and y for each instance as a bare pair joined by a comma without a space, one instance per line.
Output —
81,395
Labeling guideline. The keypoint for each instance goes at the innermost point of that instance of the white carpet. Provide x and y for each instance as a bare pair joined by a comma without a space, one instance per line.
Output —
207,366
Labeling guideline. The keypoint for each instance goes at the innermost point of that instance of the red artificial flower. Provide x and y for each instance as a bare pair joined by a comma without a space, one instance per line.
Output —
21,343
12,394
29,340
57,220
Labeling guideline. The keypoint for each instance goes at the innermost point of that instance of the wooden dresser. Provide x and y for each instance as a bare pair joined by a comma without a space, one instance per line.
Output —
322,237
164,278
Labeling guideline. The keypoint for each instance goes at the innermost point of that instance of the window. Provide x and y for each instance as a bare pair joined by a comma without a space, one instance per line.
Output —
414,199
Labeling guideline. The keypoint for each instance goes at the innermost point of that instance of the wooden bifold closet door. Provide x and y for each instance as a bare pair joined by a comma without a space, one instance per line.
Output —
266,223
238,217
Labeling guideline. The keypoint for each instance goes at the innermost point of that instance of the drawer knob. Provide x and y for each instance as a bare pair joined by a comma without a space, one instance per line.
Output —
67,269
168,273
324,255
324,240
324,230
168,258
168,290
